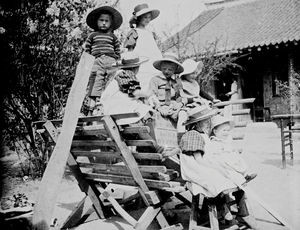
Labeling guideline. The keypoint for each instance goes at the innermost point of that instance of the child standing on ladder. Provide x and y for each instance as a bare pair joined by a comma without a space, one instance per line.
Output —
105,46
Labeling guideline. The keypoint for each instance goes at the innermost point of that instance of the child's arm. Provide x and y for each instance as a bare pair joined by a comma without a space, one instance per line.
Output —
130,40
116,45
88,43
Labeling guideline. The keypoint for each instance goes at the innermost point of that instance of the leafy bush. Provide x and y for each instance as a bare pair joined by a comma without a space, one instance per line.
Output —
44,40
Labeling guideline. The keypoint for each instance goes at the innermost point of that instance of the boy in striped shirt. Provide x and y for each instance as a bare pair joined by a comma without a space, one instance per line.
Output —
105,46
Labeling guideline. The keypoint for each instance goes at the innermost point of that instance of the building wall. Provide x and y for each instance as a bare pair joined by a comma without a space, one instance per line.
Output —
277,104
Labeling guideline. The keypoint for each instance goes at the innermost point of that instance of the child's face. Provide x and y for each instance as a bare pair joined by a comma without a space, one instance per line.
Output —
145,19
168,69
104,22
222,131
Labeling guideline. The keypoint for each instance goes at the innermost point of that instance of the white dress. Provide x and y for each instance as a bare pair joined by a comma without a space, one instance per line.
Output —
115,102
202,175
146,47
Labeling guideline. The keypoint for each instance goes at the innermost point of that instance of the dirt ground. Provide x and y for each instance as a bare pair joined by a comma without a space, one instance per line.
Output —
275,189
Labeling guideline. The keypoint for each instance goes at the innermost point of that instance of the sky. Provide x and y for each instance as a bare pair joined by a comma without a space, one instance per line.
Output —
174,14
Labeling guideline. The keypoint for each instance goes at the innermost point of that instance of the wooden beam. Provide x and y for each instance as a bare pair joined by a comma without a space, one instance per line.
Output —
47,195
129,160
118,208
240,112
140,142
88,189
145,220
127,180
135,130
82,211
118,168
91,144
234,102
116,154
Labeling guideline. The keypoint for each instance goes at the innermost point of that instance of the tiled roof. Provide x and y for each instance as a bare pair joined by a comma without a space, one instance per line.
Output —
252,24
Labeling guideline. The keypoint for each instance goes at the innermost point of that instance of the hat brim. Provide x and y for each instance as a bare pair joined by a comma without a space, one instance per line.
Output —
154,13
127,66
93,16
201,118
224,121
190,70
157,65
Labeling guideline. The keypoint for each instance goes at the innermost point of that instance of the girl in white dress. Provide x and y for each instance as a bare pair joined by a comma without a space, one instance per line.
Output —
142,42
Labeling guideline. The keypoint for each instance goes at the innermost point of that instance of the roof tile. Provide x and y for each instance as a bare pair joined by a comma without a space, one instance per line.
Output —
257,23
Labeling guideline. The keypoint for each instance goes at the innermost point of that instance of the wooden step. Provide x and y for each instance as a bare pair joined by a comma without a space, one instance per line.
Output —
116,154
125,180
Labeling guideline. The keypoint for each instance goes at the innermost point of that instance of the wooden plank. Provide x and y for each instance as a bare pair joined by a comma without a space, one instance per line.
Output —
82,211
147,217
116,154
135,130
240,112
193,213
118,208
234,102
132,165
129,160
47,195
91,143
118,168
91,130
173,227
126,180
240,124
213,217
90,190
140,142
99,154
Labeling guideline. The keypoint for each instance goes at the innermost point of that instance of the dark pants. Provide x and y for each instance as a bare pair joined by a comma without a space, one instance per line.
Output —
102,73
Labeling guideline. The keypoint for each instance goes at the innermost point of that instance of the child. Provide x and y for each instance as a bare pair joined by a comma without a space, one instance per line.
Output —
104,45
230,159
198,166
191,91
142,41
165,87
123,92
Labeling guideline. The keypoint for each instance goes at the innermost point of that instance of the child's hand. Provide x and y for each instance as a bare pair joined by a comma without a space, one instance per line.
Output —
170,151
139,94
216,101
153,101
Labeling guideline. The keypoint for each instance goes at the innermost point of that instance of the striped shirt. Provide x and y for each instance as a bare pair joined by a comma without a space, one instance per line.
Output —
99,43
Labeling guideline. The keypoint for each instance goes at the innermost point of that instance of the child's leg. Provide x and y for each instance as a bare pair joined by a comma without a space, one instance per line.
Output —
182,117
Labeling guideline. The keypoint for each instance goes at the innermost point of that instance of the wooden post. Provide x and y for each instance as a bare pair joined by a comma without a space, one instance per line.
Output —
282,144
47,195
291,141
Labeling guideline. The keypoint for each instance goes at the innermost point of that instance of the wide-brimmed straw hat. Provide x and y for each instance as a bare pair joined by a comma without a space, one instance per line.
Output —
190,66
200,113
93,16
219,120
141,9
169,57
131,59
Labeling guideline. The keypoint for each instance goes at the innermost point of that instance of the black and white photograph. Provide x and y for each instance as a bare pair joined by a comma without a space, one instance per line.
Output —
150,114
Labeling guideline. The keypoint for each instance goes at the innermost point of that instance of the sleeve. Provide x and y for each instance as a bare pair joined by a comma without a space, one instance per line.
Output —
234,87
117,46
88,44
153,87
130,40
